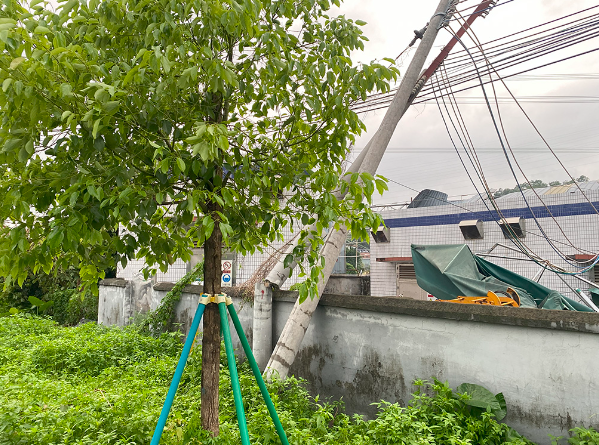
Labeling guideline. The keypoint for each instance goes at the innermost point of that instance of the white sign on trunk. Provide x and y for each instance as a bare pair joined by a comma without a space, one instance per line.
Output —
226,279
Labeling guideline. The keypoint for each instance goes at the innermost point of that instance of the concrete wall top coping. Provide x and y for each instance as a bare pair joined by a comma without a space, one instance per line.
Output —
587,322
347,275
116,282
198,289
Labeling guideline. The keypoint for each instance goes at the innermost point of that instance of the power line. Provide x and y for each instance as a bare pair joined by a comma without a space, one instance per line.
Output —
494,150
508,54
521,246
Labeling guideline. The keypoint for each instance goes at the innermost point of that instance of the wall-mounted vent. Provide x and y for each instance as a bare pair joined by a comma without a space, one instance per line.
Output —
405,272
513,227
382,235
472,229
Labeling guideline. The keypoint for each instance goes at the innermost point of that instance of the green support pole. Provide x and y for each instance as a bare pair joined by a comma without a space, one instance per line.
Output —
257,374
224,323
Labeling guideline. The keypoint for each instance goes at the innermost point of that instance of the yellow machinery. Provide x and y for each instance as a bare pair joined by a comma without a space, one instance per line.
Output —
509,298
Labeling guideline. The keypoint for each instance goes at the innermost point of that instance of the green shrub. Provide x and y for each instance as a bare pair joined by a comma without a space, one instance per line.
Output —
71,306
105,386
90,349
39,285
583,436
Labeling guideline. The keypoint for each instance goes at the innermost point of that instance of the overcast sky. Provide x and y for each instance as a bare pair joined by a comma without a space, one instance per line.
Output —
420,154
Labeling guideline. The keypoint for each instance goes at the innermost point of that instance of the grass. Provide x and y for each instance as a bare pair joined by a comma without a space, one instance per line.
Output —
94,385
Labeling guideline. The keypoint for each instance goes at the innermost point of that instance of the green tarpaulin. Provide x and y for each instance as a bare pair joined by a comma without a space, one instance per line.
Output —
450,271
594,295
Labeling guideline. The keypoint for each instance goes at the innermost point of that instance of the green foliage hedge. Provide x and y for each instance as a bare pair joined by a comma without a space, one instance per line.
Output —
97,386
69,305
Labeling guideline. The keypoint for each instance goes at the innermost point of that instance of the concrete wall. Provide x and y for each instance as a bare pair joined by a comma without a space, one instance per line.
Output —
364,349
344,284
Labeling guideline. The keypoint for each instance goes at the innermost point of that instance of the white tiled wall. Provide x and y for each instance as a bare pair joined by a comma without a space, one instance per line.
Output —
245,266
581,230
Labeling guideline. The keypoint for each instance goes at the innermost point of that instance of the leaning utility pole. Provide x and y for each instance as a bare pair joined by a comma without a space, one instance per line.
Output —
287,347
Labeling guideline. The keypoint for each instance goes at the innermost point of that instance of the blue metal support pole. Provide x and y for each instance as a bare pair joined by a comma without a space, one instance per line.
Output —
178,373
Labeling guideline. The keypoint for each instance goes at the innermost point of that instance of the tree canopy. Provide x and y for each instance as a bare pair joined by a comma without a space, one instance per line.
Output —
535,184
164,118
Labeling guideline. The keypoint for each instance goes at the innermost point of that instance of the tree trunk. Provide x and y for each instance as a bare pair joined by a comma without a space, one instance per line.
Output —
211,330
293,333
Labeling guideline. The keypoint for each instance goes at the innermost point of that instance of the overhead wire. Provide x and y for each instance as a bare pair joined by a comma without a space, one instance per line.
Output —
479,172
453,204
514,239
490,66
474,38
461,71
542,138
488,8
543,46
521,245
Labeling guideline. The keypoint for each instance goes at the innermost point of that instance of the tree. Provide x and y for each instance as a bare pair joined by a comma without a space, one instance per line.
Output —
536,183
353,258
182,123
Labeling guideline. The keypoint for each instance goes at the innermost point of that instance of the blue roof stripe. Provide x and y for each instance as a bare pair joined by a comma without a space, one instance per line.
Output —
583,208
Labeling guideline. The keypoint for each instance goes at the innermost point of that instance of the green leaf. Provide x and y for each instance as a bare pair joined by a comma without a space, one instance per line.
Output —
502,411
203,149
110,106
11,144
18,87
265,228
223,143
35,301
68,7
181,164
66,90
6,84
41,30
16,62
96,128
29,147
480,396
164,166
381,186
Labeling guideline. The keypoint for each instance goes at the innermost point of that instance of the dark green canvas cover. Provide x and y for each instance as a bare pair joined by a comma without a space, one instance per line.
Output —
450,271
594,295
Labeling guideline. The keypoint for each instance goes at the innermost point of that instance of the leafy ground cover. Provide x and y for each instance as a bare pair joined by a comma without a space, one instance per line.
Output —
93,385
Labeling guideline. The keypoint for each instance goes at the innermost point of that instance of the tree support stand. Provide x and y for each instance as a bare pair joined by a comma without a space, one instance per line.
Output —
224,303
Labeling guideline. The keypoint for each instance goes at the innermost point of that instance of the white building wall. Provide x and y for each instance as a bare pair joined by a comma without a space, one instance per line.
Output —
245,266
581,230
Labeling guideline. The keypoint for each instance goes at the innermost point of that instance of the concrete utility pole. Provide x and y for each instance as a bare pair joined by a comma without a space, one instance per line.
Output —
293,333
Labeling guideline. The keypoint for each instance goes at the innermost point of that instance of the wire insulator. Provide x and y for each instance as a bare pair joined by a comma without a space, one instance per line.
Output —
487,10
418,34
